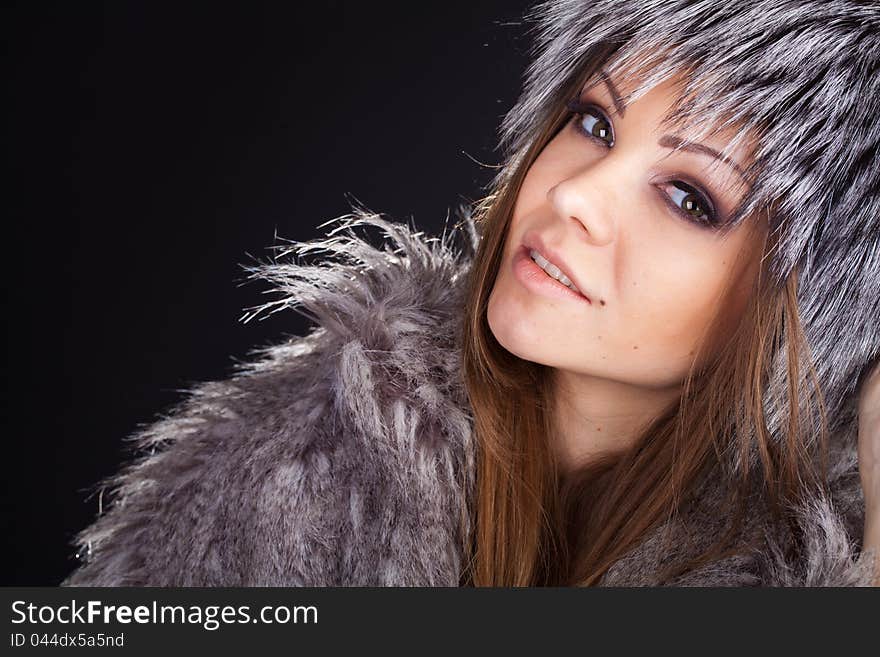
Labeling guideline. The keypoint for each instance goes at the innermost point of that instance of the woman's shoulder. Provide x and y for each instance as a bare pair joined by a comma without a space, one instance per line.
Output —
318,453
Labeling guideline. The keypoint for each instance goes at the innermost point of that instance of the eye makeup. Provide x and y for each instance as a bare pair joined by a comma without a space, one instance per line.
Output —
685,190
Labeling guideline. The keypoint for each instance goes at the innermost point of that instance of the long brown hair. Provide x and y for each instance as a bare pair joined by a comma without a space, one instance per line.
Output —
530,525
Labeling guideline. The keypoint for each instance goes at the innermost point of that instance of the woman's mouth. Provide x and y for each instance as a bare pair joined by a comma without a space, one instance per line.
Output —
542,277
552,270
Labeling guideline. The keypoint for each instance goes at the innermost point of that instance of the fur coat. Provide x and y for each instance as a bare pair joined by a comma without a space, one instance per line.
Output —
345,456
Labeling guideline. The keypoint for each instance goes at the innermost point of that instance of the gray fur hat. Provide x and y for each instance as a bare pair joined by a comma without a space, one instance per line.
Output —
804,75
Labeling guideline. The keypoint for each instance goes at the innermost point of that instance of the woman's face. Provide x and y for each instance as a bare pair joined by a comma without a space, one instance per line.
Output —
635,229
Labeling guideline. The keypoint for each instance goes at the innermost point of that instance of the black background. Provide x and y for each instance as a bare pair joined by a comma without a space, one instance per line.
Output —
151,147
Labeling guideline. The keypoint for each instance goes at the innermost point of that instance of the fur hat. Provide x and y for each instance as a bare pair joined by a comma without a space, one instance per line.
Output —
803,75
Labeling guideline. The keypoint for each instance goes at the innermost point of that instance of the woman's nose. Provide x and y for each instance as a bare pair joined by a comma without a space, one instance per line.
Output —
582,199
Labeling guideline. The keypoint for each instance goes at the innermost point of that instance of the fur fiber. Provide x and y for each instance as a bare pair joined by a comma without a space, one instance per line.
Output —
338,458
345,457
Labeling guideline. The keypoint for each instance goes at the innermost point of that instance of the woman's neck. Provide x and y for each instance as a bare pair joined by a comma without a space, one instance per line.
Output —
595,416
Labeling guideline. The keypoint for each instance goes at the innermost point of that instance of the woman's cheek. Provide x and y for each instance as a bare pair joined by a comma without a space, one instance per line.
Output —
673,309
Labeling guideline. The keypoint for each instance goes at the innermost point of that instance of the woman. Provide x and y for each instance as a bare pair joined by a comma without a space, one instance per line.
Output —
692,401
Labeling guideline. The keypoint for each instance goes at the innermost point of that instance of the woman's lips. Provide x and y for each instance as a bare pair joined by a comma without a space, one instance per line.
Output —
527,272
535,240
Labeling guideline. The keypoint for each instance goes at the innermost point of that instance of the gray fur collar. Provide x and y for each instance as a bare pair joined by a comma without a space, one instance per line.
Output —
345,457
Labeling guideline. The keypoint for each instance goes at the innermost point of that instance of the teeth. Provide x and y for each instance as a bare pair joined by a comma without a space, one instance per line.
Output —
552,270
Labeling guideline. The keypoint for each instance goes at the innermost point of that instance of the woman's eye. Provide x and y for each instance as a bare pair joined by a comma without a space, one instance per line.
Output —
690,202
589,121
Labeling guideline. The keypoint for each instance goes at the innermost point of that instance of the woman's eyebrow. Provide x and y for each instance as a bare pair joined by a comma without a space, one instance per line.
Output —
671,141
618,103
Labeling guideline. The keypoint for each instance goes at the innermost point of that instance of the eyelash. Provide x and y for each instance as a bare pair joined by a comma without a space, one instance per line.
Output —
578,110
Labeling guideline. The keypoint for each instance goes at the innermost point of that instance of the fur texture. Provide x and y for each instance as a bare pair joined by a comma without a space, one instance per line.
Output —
345,457
338,458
